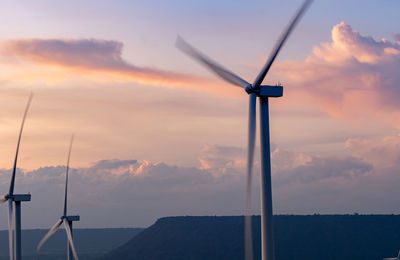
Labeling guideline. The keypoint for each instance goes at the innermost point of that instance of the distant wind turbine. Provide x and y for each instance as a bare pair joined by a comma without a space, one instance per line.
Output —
14,245
264,92
67,220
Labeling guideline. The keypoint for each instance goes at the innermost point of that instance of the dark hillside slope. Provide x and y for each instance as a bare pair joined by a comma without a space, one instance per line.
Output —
89,243
314,237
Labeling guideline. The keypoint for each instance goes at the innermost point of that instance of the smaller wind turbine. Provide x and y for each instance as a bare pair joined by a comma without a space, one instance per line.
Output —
67,220
393,258
15,245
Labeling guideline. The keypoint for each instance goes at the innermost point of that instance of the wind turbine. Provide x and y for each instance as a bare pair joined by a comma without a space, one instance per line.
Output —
264,92
67,220
14,245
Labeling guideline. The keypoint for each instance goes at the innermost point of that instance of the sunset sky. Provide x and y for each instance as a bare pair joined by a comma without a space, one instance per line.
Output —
158,135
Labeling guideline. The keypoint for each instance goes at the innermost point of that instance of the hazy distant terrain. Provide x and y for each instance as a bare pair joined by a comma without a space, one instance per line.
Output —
313,237
90,243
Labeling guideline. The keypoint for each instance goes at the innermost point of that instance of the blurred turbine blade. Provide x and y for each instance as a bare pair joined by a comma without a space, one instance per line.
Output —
225,74
11,191
250,159
3,199
280,42
66,176
71,242
51,232
10,229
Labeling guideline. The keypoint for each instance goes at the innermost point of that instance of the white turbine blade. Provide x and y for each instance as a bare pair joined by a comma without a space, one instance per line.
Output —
51,232
280,42
71,242
11,190
250,158
3,199
225,74
10,230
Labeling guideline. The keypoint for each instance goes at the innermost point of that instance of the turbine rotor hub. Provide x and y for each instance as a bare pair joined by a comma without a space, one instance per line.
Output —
249,89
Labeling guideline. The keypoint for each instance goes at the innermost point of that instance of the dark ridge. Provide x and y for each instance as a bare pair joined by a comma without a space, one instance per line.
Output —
311,237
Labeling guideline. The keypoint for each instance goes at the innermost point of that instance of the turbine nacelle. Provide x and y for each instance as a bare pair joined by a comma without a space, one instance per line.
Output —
265,91
16,197
71,218
20,197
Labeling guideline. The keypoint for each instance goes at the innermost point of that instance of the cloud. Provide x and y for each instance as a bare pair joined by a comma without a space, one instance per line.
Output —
347,44
142,190
396,37
222,158
89,55
353,76
145,190
383,153
320,168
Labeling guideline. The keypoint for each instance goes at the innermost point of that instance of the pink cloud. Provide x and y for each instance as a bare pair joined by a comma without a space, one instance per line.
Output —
353,76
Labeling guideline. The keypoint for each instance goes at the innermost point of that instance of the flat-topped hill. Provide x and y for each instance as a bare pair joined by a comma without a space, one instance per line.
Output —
312,237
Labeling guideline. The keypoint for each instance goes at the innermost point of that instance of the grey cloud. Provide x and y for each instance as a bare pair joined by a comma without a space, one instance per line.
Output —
319,168
115,193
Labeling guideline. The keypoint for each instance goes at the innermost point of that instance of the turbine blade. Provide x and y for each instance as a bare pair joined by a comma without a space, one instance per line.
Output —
51,232
280,42
71,242
250,159
11,191
10,229
3,199
225,74
66,176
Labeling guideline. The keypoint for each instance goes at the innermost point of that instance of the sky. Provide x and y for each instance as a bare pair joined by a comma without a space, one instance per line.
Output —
158,135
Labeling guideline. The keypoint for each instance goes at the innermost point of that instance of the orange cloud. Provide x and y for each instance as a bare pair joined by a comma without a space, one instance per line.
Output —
52,59
89,55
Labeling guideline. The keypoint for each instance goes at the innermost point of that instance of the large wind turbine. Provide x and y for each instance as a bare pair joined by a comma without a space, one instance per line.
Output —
264,92
15,244
67,220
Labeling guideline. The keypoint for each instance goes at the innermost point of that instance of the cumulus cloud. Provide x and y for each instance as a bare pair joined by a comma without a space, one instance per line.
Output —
89,55
347,44
222,158
354,76
320,168
144,191
382,153
396,37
